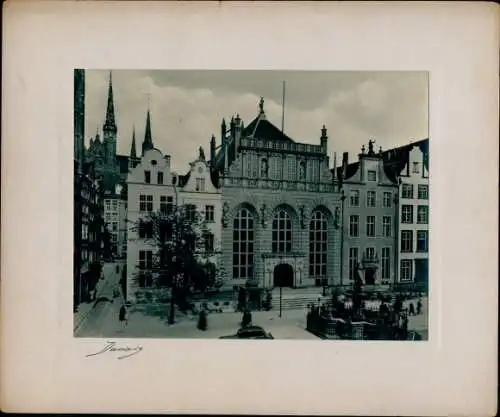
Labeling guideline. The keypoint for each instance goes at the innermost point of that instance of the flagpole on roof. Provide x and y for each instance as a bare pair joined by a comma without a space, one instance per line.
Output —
283,111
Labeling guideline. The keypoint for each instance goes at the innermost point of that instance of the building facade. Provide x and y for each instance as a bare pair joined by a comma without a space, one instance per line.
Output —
198,190
280,209
369,235
413,242
149,189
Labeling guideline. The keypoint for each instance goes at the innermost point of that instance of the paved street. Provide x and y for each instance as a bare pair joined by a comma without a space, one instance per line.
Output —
96,322
102,320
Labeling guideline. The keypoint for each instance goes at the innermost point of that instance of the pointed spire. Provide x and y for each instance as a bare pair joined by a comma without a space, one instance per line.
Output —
261,105
148,140
133,151
109,124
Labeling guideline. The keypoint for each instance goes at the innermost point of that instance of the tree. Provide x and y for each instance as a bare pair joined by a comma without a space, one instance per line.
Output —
179,238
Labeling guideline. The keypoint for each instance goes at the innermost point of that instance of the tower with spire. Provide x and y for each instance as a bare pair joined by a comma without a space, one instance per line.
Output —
147,144
133,151
109,128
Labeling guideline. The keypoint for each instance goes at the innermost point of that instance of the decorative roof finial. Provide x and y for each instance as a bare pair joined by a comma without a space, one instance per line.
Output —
323,131
202,154
370,146
380,150
261,104
363,149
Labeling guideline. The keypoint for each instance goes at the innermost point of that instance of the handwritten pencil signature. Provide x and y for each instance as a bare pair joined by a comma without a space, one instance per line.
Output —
111,347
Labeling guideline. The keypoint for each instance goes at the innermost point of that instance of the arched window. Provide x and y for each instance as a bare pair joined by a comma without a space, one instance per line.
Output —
318,245
282,232
243,241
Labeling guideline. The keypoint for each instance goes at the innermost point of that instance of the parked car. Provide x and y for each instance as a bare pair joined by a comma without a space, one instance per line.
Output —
250,332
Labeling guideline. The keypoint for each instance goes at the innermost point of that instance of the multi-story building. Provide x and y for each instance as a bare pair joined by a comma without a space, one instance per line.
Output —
149,189
198,192
113,169
88,206
112,211
411,165
280,208
369,235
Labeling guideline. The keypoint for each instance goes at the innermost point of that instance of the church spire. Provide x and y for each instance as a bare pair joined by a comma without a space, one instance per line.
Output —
109,124
133,152
148,140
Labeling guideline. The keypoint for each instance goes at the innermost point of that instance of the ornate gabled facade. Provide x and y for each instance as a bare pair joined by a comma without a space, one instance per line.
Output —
149,189
280,207
410,164
199,190
369,225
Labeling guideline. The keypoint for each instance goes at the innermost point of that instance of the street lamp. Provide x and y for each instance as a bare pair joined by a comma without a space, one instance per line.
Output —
280,283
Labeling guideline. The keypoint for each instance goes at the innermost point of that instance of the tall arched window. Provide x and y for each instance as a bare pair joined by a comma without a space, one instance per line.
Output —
282,232
243,241
318,236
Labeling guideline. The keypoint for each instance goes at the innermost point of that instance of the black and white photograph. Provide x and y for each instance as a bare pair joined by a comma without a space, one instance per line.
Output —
251,204
185,182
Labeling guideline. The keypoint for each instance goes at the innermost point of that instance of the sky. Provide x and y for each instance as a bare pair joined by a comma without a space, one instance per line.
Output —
187,107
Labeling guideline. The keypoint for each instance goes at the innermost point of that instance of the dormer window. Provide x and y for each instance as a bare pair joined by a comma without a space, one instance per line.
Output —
147,177
372,175
160,177
416,168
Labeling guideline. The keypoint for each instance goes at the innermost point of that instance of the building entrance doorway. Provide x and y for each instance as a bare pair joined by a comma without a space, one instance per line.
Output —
283,275
370,276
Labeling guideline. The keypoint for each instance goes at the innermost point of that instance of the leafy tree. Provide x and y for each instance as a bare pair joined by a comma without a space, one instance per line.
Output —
179,238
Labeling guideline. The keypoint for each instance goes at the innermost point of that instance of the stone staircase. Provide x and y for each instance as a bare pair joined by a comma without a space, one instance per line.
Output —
295,299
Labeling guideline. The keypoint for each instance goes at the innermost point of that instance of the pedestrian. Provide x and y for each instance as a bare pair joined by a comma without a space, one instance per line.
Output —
419,307
123,316
411,310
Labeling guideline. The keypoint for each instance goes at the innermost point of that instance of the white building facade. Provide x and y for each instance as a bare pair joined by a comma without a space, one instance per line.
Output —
197,189
149,189
413,245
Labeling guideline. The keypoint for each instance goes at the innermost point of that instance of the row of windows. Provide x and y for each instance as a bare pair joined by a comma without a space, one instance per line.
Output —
112,226
371,199
422,193
371,196
370,226
111,205
407,214
243,241
167,206
159,177
369,254
200,182
407,241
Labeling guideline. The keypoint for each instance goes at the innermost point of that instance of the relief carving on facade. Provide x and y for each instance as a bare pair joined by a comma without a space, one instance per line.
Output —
264,168
225,214
336,218
302,217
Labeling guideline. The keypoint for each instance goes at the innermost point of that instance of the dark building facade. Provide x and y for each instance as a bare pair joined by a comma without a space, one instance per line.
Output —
88,231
